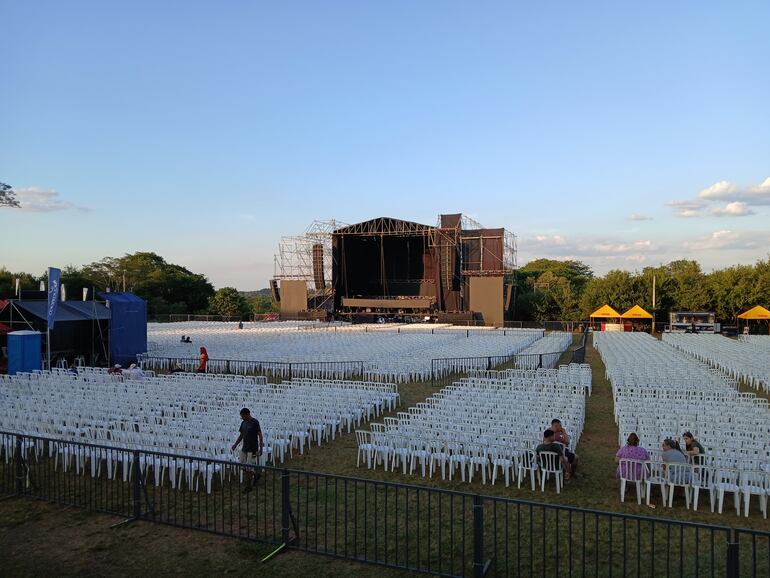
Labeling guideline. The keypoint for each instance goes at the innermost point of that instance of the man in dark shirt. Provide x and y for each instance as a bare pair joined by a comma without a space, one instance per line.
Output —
550,445
251,436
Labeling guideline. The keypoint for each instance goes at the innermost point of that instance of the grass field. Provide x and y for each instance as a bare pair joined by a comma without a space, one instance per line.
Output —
82,543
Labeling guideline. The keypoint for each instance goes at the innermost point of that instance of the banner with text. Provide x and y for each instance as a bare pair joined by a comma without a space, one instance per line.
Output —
54,280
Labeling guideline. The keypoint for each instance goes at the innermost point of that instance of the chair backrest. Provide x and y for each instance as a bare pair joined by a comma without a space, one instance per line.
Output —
702,476
549,461
632,470
679,474
363,437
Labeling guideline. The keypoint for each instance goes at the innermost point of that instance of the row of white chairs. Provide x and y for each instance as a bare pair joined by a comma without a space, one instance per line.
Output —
661,392
389,353
693,478
479,423
742,360
196,417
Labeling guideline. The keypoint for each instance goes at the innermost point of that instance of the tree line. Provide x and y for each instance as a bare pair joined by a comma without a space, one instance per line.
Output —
167,288
569,290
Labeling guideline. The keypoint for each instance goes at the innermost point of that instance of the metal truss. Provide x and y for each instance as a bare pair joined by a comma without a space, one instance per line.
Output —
294,259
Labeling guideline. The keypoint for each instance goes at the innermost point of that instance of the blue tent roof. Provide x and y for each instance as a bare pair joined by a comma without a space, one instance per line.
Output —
121,297
67,310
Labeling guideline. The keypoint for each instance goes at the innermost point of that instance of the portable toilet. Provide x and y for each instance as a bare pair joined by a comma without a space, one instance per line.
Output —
24,351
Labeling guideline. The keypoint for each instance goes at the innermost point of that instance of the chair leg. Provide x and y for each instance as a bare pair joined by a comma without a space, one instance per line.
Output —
623,490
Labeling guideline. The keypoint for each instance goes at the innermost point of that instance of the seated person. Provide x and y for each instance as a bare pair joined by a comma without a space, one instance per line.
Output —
117,369
183,340
561,436
550,445
692,448
673,454
631,451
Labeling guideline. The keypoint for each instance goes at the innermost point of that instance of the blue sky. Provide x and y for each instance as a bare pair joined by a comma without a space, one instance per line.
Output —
619,134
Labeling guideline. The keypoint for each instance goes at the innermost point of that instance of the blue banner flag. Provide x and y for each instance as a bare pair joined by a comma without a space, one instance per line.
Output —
54,280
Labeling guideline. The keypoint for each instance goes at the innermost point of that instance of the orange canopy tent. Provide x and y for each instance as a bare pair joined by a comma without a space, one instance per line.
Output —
754,313
757,313
636,312
605,311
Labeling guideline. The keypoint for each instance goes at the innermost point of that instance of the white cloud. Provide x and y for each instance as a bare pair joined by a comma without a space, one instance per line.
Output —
727,191
687,209
559,246
726,239
638,217
734,209
719,190
38,200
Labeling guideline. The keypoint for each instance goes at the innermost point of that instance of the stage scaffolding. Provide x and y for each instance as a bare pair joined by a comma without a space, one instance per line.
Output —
294,260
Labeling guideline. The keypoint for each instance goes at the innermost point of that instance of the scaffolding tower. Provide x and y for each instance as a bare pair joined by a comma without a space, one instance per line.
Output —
296,254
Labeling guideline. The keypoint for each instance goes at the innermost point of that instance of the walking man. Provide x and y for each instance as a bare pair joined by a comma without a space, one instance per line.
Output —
251,436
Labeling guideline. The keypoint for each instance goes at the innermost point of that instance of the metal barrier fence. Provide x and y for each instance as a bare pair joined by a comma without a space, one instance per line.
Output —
446,370
403,526
579,354
275,370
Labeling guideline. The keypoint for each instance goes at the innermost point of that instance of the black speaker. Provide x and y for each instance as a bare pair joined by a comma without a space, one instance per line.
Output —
274,290
318,266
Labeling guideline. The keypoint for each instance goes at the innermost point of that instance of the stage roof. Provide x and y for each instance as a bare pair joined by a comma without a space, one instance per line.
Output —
757,312
384,226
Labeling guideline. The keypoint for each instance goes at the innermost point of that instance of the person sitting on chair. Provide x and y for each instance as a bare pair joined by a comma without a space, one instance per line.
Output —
562,437
550,445
693,448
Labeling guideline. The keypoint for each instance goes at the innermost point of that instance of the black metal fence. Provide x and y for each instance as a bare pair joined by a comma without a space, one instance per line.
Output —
275,370
579,354
446,370
396,525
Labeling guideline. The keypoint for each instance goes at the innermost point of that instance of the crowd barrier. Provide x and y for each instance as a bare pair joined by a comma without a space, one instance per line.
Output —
409,527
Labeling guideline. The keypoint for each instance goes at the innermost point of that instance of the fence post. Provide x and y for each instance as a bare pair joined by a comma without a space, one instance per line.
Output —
478,536
227,366
289,371
733,556
540,361
19,466
432,373
489,363
137,498
285,506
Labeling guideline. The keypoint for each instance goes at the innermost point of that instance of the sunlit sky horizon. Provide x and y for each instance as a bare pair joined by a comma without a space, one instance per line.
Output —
622,135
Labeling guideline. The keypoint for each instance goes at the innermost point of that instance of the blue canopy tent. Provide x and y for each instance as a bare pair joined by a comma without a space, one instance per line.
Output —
128,329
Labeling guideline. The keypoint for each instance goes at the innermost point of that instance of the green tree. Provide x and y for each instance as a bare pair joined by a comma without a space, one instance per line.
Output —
8,282
168,288
575,272
8,196
229,303
619,289
555,299
687,286
263,304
